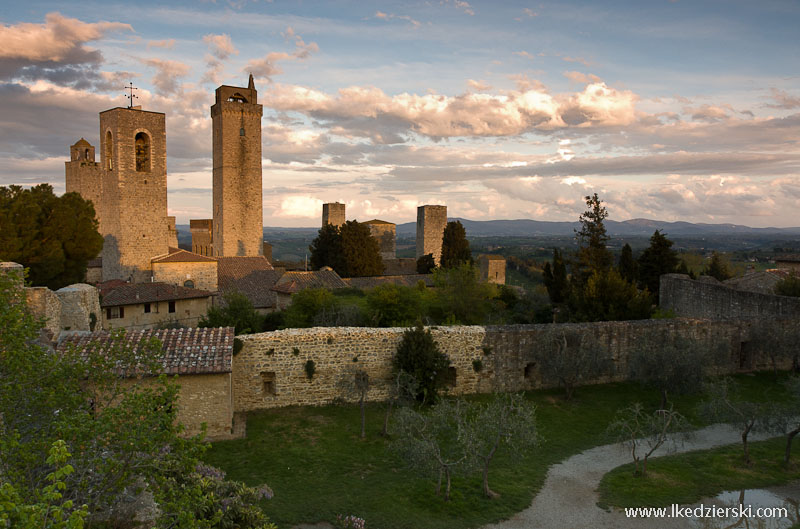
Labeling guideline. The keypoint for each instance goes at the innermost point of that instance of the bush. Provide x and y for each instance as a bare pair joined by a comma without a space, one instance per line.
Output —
390,305
419,356
236,311
788,286
305,306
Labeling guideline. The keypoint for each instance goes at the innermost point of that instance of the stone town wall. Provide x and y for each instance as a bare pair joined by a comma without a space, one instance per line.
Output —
203,274
269,370
699,299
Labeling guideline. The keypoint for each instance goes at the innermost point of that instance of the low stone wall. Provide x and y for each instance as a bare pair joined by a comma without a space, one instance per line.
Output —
269,370
699,299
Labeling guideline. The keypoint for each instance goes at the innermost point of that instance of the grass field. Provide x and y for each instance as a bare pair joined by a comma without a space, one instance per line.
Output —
318,466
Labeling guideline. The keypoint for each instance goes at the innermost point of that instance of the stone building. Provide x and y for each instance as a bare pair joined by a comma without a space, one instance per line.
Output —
291,283
384,232
202,360
151,305
186,269
788,262
333,213
431,221
493,269
202,236
251,276
237,202
128,189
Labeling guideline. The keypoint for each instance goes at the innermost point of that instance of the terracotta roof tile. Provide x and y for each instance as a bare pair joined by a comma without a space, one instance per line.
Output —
186,351
133,294
176,255
292,282
252,276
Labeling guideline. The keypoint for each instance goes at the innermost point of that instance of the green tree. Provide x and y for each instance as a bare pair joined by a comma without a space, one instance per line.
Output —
361,252
628,267
419,356
718,268
307,305
593,255
607,297
658,259
788,286
455,246
555,278
53,236
326,248
461,297
570,361
391,305
426,264
236,311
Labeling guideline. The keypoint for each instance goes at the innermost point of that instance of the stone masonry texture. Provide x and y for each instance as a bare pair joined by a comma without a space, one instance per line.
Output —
431,221
333,213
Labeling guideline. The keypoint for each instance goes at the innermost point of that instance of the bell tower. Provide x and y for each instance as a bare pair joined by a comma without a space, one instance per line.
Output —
237,201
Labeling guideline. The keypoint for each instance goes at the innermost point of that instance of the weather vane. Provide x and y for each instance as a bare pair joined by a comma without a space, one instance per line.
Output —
131,96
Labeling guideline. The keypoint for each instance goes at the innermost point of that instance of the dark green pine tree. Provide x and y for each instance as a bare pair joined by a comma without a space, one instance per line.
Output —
455,246
555,278
718,268
628,267
361,252
426,264
593,254
53,236
659,258
326,248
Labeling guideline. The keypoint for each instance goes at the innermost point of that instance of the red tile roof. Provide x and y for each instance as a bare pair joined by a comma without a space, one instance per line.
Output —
133,294
409,280
252,276
186,351
176,255
292,282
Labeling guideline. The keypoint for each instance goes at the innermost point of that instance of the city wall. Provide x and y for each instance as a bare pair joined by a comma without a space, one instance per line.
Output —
701,299
269,369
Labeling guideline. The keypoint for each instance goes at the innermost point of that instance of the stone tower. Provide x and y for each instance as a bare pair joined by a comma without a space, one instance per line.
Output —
431,221
85,176
236,125
133,153
385,233
333,213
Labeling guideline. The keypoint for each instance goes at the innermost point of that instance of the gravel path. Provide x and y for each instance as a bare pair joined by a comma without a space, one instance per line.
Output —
568,497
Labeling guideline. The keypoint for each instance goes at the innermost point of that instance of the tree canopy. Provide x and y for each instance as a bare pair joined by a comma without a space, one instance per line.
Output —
659,258
55,237
455,246
350,250
718,268
593,255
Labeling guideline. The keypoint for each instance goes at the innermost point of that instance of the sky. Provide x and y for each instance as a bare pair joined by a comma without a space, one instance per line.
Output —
669,110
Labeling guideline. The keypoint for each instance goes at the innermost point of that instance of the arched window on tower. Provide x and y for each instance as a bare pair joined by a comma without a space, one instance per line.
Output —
109,151
86,154
142,142
237,98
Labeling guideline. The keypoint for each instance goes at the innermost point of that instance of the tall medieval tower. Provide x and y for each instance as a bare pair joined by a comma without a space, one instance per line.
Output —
236,124
431,221
133,154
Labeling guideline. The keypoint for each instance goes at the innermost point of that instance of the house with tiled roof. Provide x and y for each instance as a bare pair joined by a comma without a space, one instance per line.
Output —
293,282
410,280
788,262
252,276
188,269
200,357
151,305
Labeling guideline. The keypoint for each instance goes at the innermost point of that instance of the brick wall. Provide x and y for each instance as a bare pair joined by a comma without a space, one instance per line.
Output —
204,274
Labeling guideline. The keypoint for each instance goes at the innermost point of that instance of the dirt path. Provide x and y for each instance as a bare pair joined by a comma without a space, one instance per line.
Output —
568,498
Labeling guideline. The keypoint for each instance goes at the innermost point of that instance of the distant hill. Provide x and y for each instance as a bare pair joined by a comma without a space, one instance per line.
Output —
540,228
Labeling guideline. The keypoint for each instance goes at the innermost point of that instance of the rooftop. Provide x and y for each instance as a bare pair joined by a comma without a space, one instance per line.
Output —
176,255
252,276
186,351
133,294
409,280
292,282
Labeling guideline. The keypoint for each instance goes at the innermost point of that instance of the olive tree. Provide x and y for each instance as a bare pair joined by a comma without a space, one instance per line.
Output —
356,383
571,360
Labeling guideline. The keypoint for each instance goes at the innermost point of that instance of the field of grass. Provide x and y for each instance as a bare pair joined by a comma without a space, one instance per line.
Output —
318,467
686,478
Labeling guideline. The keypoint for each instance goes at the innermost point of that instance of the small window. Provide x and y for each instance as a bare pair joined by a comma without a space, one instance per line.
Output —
109,151
171,306
142,145
450,377
86,154
530,368
241,131
113,313
147,308
268,383
188,283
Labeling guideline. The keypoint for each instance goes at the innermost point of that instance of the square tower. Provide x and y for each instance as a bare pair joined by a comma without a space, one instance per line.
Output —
333,213
133,154
85,176
431,221
385,233
238,219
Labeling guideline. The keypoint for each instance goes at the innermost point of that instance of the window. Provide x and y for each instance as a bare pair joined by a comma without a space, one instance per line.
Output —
188,283
147,308
109,151
268,383
113,313
171,306
529,370
142,144
86,154
449,377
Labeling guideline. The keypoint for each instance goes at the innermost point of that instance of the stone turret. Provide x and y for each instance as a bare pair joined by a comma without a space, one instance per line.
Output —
431,221
333,213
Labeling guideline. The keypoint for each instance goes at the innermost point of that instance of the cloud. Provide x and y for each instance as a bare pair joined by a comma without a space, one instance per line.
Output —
166,44
709,112
220,46
524,54
300,206
389,16
168,74
479,86
580,60
581,78
267,67
783,100
55,50
528,11
599,105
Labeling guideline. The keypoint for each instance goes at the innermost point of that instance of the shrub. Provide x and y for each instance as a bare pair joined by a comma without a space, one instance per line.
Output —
419,356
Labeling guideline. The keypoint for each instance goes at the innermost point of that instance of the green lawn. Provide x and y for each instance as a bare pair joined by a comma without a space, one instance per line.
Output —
318,467
686,478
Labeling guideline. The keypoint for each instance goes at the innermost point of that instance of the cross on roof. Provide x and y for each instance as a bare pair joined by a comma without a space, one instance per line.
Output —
131,96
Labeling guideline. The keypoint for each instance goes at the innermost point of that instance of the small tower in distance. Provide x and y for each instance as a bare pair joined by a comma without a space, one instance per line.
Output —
333,213
236,127
431,221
